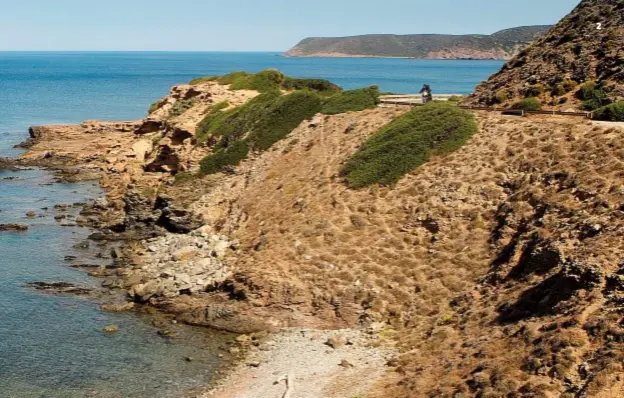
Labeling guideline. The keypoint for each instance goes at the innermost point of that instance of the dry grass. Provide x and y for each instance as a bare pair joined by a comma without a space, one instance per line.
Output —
420,256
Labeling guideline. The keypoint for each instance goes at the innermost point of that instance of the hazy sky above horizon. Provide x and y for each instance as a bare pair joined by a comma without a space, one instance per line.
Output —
249,25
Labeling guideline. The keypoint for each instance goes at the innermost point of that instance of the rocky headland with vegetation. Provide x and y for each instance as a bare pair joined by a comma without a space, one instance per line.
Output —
363,249
504,44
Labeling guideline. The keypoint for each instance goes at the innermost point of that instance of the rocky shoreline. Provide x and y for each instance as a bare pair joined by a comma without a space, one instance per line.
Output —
166,252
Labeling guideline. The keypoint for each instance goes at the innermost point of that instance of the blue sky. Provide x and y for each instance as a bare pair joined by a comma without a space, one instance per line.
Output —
249,25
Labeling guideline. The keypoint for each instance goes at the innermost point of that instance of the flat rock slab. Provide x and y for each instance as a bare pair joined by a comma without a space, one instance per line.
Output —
13,227
60,288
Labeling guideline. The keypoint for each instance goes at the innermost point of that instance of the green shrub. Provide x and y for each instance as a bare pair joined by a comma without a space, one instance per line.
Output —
613,112
231,78
352,100
270,80
320,86
455,98
502,96
528,104
181,106
203,79
256,125
282,117
154,107
534,91
264,81
230,156
408,142
569,85
593,96
183,177
232,123
558,90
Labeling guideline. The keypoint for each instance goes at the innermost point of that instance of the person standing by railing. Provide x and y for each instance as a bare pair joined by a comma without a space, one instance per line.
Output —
426,94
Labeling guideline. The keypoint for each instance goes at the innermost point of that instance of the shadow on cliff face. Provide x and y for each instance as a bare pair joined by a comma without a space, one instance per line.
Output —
552,296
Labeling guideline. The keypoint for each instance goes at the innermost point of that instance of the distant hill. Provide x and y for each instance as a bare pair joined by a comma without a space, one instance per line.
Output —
585,47
500,45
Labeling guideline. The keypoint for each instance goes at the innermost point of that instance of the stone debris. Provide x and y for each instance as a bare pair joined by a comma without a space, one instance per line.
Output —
180,264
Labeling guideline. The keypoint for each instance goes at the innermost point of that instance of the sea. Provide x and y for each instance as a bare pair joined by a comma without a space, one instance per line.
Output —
54,346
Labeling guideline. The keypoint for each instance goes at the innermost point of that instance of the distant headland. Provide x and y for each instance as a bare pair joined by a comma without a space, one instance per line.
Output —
504,44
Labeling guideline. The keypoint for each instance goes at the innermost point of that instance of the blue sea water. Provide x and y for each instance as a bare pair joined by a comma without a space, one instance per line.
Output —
53,346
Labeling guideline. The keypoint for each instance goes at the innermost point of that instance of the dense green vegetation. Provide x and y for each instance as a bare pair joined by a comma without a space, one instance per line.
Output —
283,116
230,156
352,100
593,96
613,112
256,125
528,104
232,123
270,80
408,142
270,116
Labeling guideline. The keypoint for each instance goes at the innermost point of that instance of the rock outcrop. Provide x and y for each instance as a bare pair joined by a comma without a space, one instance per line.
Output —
587,45
496,270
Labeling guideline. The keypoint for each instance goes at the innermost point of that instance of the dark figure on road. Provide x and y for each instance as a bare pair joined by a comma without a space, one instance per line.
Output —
426,93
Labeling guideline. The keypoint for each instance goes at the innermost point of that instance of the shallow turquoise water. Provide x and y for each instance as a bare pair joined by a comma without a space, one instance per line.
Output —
54,346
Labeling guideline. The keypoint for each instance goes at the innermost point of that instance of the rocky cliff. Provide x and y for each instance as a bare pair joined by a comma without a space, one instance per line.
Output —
585,46
501,45
495,271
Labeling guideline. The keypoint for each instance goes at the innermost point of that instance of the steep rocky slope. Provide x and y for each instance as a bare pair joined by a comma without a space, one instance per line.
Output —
500,45
496,270
587,45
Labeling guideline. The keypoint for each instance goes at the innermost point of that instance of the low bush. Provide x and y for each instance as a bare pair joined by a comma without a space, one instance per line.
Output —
502,96
593,96
270,80
408,142
203,79
281,117
352,100
528,104
256,125
455,98
231,123
534,91
230,156
321,86
569,85
154,107
183,177
557,90
264,81
613,112
180,107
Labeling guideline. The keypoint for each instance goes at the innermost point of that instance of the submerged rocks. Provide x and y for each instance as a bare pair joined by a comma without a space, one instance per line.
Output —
117,307
59,288
13,227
